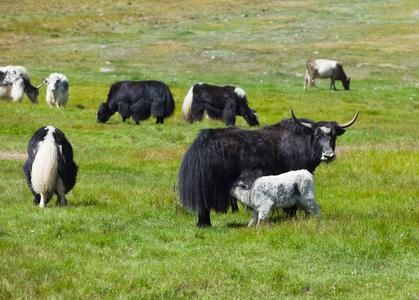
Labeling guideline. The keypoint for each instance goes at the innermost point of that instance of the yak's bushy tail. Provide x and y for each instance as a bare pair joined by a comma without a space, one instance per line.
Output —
187,106
205,175
45,166
169,103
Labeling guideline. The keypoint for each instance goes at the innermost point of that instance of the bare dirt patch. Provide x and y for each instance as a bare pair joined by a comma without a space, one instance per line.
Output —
8,155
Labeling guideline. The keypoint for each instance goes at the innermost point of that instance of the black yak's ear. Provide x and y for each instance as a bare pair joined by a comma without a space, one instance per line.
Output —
123,109
340,131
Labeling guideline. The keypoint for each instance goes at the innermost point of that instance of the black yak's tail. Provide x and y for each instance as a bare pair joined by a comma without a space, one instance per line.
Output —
169,103
205,176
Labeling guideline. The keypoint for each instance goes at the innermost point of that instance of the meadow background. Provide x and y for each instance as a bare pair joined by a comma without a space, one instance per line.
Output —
124,234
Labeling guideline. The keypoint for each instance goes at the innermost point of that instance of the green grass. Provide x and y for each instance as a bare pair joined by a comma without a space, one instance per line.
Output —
124,234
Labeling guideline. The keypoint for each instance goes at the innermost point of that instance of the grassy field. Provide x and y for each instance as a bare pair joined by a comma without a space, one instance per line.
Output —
124,234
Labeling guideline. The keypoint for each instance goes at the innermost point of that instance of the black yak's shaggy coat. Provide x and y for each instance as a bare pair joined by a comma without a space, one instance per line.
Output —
219,102
218,157
139,100
60,156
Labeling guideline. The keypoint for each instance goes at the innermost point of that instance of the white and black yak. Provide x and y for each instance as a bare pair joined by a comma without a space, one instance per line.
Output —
325,68
139,100
15,82
50,168
286,190
57,90
219,157
219,102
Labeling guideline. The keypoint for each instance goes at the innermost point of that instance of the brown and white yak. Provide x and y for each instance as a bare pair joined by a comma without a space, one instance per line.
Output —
325,68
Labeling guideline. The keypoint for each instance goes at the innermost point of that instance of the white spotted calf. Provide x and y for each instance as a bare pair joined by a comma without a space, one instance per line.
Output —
279,191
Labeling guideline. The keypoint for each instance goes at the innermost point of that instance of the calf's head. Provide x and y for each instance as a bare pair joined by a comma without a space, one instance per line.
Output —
323,136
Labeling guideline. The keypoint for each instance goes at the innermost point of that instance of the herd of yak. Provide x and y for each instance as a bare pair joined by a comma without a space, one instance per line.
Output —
263,168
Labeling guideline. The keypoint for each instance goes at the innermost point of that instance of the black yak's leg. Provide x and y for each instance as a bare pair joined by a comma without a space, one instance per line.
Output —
234,206
159,120
204,218
124,111
229,113
36,199
61,200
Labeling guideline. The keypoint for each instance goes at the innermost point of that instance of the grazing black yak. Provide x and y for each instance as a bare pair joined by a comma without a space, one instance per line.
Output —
219,102
139,100
50,168
218,157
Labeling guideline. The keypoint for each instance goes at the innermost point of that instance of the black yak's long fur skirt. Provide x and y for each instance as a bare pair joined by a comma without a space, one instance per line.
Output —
215,160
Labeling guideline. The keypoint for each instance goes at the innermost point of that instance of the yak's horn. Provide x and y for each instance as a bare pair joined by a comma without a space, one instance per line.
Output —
351,122
308,125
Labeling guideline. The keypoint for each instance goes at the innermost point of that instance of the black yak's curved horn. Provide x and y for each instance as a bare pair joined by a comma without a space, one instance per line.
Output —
308,125
351,122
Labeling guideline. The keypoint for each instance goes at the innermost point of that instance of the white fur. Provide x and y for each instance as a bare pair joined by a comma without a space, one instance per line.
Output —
56,95
13,85
44,173
187,106
325,129
277,191
13,91
239,92
325,67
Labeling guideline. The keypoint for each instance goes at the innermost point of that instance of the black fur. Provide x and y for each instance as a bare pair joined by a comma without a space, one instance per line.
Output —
220,103
218,157
2,77
31,91
339,74
139,100
67,169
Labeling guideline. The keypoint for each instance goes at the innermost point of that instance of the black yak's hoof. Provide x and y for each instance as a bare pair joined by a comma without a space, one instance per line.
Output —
203,225
204,219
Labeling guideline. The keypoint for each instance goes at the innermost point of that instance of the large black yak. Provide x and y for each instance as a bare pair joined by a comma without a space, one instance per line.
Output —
218,157
50,168
139,100
219,102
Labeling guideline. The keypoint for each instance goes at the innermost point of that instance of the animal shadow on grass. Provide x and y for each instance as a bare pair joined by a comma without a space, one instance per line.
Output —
277,216
87,203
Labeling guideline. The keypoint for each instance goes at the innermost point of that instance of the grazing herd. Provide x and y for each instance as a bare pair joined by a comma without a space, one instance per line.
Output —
270,167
